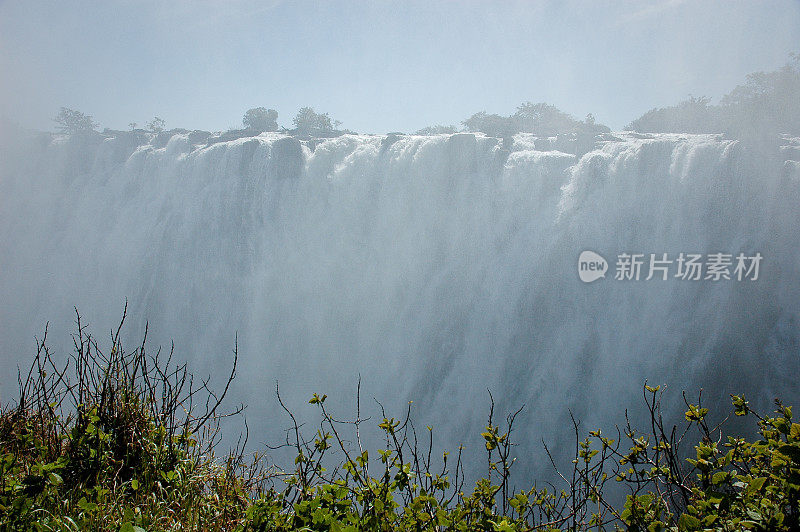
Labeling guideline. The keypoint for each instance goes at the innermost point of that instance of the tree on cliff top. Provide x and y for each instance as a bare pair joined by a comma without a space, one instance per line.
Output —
309,122
71,122
541,119
261,119
767,103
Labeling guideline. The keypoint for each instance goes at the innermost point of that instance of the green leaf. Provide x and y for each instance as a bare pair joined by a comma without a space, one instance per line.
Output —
741,405
719,477
695,413
792,451
757,483
688,522
316,399
782,425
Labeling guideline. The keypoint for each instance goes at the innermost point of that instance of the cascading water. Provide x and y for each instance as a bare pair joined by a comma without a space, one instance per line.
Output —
434,267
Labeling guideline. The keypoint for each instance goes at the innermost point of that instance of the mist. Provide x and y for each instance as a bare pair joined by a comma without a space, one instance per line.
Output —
377,67
432,267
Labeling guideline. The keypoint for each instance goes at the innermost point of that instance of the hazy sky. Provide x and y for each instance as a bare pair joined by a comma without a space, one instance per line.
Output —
376,66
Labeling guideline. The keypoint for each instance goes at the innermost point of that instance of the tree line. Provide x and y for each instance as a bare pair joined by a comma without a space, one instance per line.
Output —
540,118
766,102
255,120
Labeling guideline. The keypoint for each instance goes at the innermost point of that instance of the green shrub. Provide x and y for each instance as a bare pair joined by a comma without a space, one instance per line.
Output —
126,442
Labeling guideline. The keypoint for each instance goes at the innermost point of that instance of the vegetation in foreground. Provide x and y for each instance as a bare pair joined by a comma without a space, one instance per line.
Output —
126,442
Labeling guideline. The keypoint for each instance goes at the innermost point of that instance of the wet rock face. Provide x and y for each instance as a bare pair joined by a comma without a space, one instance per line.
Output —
248,151
287,158
198,136
462,153
388,140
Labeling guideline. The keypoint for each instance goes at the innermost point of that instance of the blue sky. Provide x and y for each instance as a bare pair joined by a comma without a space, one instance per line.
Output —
376,66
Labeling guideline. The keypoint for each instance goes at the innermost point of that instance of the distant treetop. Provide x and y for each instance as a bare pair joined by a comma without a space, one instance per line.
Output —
71,122
309,122
261,119
767,102
538,118
156,125
437,130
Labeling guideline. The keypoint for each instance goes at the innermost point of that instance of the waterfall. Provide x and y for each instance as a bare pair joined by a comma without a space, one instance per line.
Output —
435,267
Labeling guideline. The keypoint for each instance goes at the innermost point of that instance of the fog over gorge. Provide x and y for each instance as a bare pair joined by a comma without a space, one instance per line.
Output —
433,266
